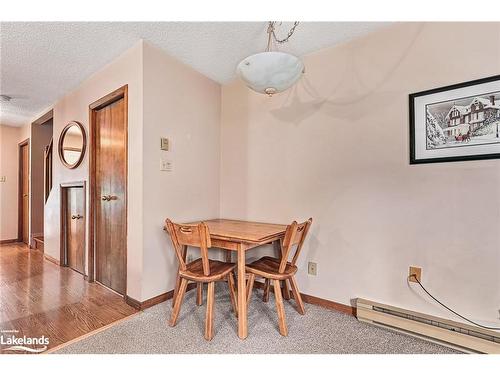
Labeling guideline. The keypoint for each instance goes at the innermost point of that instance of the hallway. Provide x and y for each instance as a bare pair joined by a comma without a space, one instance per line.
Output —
39,298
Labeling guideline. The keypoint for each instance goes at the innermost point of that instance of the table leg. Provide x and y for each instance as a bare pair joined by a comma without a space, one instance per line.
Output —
242,300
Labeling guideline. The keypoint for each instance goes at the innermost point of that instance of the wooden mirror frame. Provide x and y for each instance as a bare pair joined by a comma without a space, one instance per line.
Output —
61,140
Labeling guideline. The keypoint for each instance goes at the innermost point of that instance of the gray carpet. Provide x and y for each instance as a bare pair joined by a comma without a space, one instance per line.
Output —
319,331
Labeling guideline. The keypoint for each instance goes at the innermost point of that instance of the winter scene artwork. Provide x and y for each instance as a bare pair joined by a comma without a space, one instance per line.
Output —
456,123
463,122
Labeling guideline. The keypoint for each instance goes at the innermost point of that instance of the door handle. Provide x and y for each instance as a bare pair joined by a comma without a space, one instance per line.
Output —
78,216
25,195
109,197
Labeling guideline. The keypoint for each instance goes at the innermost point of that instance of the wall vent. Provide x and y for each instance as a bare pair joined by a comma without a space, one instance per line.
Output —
460,336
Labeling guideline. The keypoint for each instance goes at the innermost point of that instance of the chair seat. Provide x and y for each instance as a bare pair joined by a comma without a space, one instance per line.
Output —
268,267
218,270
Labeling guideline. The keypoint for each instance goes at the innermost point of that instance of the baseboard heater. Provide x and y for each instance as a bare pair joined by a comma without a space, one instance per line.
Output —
463,337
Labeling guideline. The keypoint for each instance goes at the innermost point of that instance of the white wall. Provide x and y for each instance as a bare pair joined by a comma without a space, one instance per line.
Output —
184,106
126,69
336,148
168,99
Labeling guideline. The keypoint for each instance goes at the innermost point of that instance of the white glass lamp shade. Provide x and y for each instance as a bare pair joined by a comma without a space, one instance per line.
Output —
270,72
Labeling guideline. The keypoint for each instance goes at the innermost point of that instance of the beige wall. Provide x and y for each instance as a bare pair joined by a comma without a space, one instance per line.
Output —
184,106
336,148
9,167
169,99
127,69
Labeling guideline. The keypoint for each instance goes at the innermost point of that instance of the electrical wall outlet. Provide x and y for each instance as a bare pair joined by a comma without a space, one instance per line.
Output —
417,271
3,179
189,258
312,268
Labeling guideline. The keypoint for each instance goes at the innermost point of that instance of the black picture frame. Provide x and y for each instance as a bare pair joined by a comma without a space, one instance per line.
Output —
412,97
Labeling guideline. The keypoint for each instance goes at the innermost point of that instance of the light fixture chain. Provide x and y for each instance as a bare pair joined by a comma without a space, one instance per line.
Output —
290,33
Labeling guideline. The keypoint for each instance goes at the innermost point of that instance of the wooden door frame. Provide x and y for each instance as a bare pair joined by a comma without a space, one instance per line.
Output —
120,93
20,223
44,118
63,250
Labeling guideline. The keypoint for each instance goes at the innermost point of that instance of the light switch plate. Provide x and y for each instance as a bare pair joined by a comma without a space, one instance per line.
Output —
164,144
166,165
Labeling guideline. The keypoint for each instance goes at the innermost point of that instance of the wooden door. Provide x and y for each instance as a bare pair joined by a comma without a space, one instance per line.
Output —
110,127
24,183
75,228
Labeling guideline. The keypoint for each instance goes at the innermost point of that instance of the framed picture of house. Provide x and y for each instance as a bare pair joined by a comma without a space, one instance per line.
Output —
456,123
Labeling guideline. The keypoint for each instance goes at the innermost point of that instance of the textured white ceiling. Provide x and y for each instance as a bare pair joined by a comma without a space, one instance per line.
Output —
40,62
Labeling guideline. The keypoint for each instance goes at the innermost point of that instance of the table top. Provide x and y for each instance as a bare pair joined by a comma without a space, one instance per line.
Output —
244,231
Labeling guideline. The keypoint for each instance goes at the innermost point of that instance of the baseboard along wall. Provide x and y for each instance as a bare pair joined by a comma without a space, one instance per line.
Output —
52,260
14,240
154,300
313,300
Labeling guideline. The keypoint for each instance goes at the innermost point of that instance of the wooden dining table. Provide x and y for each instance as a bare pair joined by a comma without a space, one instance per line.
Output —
241,236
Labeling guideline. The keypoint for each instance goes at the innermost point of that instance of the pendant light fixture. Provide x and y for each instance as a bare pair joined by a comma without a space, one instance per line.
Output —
271,72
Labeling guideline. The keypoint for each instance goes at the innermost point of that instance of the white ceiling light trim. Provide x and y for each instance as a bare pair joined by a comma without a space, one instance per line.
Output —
271,72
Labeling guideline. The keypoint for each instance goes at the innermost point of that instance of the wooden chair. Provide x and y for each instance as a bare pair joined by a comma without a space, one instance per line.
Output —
202,270
281,270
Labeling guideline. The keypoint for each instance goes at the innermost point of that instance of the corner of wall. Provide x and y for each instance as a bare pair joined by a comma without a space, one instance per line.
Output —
183,105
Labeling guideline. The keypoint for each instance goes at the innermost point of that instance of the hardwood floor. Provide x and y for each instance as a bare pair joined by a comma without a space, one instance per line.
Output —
39,298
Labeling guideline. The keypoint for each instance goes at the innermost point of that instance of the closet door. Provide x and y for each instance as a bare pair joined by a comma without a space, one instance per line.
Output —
75,228
111,194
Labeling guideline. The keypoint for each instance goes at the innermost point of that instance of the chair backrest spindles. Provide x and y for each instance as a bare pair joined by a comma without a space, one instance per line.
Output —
295,235
190,235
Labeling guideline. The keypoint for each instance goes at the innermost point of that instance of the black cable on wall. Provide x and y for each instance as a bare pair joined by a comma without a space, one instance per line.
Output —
414,276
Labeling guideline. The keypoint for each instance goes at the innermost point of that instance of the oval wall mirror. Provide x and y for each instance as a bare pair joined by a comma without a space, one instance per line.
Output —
72,143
